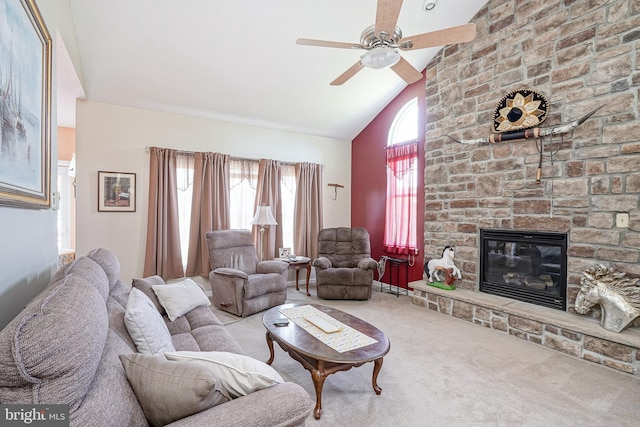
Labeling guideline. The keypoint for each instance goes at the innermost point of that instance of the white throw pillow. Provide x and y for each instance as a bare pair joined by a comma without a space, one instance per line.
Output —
145,325
238,374
180,298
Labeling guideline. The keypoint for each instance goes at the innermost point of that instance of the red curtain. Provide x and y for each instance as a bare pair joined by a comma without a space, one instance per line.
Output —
401,206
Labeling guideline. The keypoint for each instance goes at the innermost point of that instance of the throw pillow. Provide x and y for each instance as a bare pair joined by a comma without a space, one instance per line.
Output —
167,390
146,285
238,374
145,325
180,298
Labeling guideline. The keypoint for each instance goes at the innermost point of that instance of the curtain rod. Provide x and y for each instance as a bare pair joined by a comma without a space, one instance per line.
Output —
191,153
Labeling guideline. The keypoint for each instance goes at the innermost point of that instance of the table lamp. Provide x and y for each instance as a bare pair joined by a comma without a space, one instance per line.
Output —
263,218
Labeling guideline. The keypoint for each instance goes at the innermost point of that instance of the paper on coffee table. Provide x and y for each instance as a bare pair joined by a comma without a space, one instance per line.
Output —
345,339
328,326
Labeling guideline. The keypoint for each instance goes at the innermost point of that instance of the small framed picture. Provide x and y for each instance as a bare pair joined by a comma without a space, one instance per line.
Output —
285,252
116,192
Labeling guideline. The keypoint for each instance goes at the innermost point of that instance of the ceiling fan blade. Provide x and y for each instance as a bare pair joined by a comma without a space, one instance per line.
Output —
325,43
406,71
387,16
342,78
453,35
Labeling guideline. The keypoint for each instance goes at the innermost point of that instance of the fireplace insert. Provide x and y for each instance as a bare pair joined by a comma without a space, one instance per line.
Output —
527,266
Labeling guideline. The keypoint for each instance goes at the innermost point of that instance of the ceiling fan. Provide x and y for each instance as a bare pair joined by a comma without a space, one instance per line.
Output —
383,40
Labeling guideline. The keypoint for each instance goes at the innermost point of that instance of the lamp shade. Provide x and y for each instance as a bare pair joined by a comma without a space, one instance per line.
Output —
264,216
380,57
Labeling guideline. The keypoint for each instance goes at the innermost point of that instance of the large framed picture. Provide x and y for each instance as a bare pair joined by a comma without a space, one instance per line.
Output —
25,106
116,192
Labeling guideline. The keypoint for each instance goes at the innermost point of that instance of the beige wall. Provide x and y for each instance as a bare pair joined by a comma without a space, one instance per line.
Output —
114,138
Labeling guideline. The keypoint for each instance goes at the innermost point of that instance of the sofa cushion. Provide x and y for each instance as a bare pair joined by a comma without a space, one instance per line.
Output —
109,263
39,358
201,330
145,325
181,297
87,269
146,285
169,390
240,375
110,396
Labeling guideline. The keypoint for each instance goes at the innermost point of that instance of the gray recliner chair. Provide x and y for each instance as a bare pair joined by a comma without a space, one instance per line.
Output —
241,284
344,267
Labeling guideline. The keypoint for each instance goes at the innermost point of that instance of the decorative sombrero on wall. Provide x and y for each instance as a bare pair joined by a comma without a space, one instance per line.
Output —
520,109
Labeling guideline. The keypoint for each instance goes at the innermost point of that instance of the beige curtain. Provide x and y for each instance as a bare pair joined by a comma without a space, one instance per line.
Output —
307,221
210,208
268,193
162,255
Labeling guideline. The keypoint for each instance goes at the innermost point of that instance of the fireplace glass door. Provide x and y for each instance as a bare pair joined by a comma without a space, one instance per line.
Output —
526,266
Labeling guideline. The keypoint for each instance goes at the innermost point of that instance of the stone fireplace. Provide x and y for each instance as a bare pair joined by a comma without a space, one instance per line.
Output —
580,55
527,266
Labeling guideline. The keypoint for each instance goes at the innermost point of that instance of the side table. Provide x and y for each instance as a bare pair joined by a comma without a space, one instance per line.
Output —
297,264
395,265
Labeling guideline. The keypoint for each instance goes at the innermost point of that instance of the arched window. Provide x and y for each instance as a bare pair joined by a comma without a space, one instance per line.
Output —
402,182
405,125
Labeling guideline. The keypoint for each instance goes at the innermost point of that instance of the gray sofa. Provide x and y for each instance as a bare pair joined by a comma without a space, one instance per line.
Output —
344,267
65,347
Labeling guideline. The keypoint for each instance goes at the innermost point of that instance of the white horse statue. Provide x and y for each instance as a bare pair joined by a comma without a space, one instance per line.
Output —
434,265
619,298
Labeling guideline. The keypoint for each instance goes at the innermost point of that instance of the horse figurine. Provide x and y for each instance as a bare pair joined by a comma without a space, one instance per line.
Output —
619,298
433,266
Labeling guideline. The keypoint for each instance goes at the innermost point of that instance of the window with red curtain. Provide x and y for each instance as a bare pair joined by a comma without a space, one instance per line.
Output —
401,208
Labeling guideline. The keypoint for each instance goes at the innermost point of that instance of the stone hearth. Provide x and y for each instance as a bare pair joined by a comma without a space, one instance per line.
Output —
577,336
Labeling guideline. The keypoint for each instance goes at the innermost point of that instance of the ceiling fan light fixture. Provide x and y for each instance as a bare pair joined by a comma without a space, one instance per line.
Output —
380,57
430,4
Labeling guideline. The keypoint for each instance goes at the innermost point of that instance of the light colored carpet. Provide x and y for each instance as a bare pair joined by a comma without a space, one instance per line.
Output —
443,371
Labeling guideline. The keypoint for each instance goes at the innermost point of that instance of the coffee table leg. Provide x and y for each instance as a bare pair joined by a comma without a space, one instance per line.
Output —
377,365
270,345
318,376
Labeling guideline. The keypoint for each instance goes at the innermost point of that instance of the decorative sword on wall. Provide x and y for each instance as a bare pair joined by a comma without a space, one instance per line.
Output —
536,132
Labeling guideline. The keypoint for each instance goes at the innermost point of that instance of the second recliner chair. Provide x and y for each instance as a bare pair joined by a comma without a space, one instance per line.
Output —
344,267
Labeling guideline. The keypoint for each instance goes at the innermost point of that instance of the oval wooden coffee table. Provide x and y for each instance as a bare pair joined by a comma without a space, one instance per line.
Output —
318,358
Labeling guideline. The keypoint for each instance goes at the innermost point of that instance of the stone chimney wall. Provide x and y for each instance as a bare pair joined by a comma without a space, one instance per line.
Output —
579,55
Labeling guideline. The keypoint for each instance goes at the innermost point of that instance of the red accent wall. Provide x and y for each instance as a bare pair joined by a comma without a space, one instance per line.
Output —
369,179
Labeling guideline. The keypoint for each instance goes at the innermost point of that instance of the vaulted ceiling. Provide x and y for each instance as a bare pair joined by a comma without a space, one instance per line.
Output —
238,60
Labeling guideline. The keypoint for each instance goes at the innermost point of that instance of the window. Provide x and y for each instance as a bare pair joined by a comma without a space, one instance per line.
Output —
242,193
184,182
288,199
405,125
402,182
244,175
242,196
64,212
